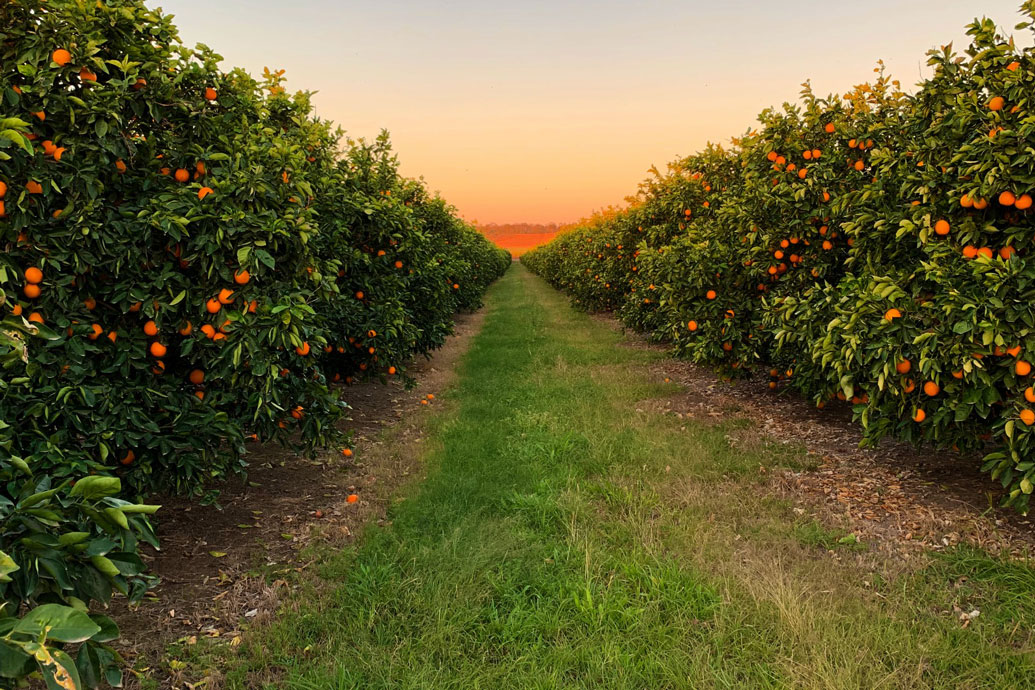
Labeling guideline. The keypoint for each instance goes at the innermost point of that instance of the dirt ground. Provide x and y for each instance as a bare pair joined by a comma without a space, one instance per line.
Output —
217,563
899,499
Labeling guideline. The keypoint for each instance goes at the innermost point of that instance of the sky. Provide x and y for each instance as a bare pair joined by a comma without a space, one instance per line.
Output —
546,110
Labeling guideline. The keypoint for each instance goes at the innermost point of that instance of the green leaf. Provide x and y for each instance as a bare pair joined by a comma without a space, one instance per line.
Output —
96,487
61,624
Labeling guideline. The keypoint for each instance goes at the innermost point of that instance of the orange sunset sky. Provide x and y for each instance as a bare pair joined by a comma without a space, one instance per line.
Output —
544,111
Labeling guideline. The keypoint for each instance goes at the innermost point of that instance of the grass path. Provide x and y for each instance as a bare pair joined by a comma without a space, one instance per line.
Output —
567,536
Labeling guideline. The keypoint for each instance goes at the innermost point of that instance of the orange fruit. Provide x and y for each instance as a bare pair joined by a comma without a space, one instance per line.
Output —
129,457
1029,394
391,371
942,227
204,192
61,57
932,389
711,294
970,251
200,395
112,336
996,103
359,295
226,296
980,204
96,331
213,306
909,387
398,264
692,325
919,415
352,498
86,75
31,290
303,349
1023,202
1006,252
151,328
986,252
209,330
33,275
1022,368
158,350
829,128
210,94
892,314
1007,198
187,328
181,175
242,277
1028,417
904,366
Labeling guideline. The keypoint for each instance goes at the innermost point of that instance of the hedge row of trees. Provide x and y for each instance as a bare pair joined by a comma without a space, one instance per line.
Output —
875,247
191,260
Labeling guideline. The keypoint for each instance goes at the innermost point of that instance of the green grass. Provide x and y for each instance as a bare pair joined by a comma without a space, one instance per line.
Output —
567,536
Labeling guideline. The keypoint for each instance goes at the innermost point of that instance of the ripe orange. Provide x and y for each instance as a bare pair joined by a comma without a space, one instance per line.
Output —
1007,198
213,306
1013,66
942,227
33,187
1022,368
352,498
209,330
1006,252
204,192
430,396
692,325
120,165
1014,351
86,75
996,103
1028,417
226,296
919,415
1023,202
1029,394
187,328
242,277
398,264
61,57
970,251
112,336
986,252
359,295
347,452
391,371
197,377
31,290
456,286
210,94
932,389
181,175
980,204
829,128
158,350
129,457
303,349
892,314
711,294
151,328
904,366
200,395
97,330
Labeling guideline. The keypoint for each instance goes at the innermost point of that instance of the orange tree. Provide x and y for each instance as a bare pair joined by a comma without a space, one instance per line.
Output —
199,258
871,248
